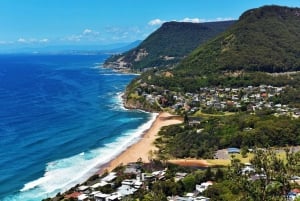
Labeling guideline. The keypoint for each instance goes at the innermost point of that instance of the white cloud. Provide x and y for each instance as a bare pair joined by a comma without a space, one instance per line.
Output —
156,22
44,40
113,30
85,35
75,38
187,19
198,20
224,19
193,20
32,40
22,40
87,31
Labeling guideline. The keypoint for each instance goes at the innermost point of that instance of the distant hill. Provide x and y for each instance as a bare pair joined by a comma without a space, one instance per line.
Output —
168,45
264,39
126,47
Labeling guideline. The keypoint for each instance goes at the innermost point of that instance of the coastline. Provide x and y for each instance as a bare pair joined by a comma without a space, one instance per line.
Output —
141,149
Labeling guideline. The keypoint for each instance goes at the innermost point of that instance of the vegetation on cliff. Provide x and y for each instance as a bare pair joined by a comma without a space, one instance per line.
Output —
169,44
263,39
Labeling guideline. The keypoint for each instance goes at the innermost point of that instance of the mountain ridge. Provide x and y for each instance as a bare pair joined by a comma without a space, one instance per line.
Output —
168,45
263,39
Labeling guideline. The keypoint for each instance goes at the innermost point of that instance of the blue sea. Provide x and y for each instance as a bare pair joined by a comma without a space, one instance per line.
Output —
61,118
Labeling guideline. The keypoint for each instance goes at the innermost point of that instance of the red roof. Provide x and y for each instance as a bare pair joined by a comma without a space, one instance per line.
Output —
264,95
73,195
296,190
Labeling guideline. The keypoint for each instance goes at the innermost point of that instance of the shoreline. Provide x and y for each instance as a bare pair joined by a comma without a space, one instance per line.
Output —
142,148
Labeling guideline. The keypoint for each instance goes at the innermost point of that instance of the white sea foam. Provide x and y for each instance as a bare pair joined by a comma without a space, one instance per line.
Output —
60,175
117,102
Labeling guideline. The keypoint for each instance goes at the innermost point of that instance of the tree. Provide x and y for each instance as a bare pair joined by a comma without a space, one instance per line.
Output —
155,196
208,175
219,176
189,183
273,176
186,119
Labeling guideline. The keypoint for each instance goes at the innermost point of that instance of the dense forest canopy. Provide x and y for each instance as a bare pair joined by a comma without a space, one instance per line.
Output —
263,39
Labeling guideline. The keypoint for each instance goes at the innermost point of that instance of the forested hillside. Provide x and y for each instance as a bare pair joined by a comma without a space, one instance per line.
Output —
168,45
264,39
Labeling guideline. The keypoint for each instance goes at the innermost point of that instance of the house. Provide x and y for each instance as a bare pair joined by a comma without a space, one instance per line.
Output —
129,187
99,184
73,195
160,175
203,186
247,170
82,188
179,176
125,190
147,177
201,198
188,197
295,179
293,194
227,89
296,114
110,177
92,194
233,150
83,197
107,197
257,177
114,197
132,168
194,121
101,197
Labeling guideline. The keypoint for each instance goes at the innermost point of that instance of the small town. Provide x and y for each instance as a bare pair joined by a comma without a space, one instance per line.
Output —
219,99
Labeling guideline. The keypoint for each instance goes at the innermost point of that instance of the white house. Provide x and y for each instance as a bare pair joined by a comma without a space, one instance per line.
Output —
83,197
203,186
107,197
101,197
110,177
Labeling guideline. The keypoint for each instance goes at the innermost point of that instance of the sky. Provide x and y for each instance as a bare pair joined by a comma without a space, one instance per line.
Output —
100,22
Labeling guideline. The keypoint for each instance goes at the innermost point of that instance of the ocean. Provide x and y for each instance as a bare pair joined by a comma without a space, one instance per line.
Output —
61,118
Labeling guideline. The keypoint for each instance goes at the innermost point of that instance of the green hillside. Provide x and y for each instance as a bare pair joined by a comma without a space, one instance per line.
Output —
262,47
264,39
168,45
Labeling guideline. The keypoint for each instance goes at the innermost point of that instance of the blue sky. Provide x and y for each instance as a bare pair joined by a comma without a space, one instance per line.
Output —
61,22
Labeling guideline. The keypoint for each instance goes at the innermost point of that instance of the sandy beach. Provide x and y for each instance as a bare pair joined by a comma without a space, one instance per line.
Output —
142,148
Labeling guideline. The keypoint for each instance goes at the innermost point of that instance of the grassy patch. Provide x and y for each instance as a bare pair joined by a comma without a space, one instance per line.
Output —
244,160
218,162
221,114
